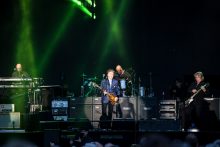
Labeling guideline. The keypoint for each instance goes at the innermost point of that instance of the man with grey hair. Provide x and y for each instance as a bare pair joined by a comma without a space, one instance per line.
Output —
196,113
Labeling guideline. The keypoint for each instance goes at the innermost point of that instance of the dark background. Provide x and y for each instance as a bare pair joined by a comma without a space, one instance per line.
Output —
172,39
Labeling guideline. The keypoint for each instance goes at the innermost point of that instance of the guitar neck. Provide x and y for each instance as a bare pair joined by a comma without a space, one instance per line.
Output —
100,88
97,86
197,92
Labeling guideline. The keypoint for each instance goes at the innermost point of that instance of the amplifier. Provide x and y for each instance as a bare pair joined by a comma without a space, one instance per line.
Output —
80,100
148,108
59,104
59,111
7,107
167,109
214,105
10,120
59,108
168,115
168,102
97,100
128,107
80,111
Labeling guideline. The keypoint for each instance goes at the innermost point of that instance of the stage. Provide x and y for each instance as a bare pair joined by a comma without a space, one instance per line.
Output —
72,118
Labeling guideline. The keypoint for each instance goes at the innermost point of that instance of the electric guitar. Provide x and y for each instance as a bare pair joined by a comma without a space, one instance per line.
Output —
191,99
110,96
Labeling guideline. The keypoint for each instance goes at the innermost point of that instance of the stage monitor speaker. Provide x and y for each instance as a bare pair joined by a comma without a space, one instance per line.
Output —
10,120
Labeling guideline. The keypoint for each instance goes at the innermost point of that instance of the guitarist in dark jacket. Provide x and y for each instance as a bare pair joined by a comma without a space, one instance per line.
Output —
196,112
109,86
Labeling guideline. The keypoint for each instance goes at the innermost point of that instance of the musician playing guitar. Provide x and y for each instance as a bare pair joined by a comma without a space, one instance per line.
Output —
109,85
196,111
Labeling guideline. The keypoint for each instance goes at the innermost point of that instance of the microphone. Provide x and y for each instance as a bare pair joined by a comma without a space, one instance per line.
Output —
103,76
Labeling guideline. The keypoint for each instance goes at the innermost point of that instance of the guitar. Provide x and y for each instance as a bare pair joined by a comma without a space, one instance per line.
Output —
110,96
191,99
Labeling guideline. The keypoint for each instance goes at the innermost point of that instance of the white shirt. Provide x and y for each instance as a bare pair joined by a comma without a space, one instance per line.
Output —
110,82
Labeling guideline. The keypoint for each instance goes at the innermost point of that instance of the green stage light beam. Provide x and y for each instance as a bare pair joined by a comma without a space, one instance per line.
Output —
57,37
24,51
24,47
115,35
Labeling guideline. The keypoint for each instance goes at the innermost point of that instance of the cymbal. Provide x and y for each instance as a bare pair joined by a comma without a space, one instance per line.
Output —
93,79
37,78
49,86
83,75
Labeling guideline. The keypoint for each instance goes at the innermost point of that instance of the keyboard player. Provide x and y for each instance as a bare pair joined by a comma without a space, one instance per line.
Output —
19,96
19,72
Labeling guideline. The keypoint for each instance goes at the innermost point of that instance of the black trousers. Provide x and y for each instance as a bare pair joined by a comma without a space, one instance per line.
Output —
197,113
110,110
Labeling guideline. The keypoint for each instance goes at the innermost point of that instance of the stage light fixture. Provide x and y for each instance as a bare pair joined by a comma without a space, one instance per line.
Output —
86,6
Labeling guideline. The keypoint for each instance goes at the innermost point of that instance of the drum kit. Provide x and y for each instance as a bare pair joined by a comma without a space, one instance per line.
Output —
134,88
86,88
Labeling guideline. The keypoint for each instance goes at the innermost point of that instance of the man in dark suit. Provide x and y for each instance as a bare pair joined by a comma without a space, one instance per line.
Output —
198,110
109,85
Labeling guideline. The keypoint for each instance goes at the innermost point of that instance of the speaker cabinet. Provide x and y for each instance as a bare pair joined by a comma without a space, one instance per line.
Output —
148,108
214,104
10,120
128,107
80,111
97,100
96,114
80,100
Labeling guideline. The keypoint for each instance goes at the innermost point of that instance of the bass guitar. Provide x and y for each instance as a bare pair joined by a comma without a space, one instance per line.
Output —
110,96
